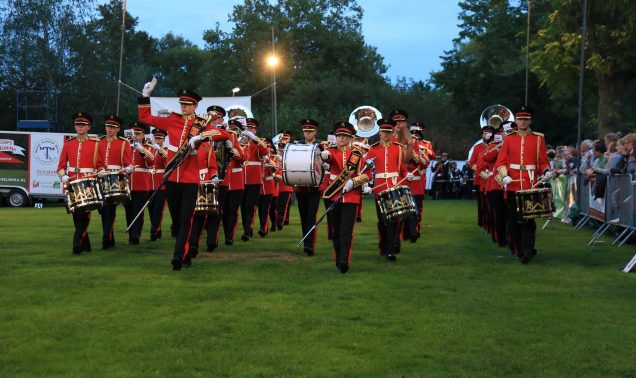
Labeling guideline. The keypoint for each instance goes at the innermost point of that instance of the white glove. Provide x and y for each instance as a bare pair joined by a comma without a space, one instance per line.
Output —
228,144
266,159
193,141
325,155
506,180
149,87
348,186
65,179
129,169
548,175
215,180
325,167
137,146
250,135
156,146
367,190
409,177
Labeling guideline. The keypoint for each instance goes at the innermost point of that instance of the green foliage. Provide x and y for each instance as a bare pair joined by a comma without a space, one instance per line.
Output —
452,305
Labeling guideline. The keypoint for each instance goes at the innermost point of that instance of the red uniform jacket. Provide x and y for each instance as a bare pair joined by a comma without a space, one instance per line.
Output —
389,165
254,154
523,158
486,166
337,161
416,165
140,179
80,159
282,187
426,148
234,176
267,177
116,154
207,161
158,167
478,149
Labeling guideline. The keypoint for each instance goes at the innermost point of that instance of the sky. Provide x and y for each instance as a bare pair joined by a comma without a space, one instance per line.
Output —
411,35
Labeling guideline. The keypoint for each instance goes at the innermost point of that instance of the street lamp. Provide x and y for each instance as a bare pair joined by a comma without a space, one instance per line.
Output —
272,62
235,90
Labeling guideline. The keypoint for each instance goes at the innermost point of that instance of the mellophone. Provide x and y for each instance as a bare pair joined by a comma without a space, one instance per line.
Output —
89,193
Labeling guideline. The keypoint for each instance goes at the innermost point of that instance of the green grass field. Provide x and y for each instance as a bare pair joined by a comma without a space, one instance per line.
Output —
453,304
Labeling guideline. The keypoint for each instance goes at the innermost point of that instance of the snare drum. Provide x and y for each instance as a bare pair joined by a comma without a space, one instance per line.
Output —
207,198
534,203
397,203
302,165
115,187
83,195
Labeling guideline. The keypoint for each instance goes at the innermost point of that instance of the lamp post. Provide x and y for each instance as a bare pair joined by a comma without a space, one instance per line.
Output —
235,90
272,62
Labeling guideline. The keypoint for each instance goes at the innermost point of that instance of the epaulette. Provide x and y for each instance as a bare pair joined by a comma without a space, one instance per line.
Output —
177,114
122,138
94,139
399,144
102,137
538,133
69,138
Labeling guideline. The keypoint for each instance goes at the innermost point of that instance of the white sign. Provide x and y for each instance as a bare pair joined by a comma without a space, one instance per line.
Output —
45,149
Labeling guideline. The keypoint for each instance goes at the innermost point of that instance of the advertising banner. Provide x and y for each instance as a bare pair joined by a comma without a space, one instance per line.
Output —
45,154
14,160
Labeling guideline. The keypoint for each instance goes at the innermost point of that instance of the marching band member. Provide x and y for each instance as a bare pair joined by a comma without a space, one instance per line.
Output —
522,156
389,168
363,144
115,153
270,167
418,162
255,152
428,153
284,191
80,158
477,150
401,131
140,185
156,173
346,163
182,185
273,206
485,168
308,197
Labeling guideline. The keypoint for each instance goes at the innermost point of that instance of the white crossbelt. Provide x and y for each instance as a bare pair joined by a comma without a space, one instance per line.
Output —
113,166
81,170
175,149
153,171
269,177
332,176
252,163
417,177
525,167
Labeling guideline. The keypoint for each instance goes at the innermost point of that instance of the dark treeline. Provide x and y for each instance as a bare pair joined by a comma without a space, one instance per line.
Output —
71,47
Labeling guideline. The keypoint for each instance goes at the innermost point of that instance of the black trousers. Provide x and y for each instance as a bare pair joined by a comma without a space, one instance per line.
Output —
198,224
181,201
133,207
499,213
388,233
480,221
248,208
81,241
213,224
522,232
282,207
341,220
264,202
231,204
156,209
108,214
411,225
273,211
308,203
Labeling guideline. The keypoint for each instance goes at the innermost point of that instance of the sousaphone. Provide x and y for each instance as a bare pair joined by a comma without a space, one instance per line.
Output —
495,115
364,119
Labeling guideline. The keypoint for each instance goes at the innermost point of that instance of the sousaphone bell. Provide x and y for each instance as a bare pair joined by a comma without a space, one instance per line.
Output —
364,120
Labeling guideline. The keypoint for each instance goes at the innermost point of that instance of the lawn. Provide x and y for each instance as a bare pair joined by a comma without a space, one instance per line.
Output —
452,304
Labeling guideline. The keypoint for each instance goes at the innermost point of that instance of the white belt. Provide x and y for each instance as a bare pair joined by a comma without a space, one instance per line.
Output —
236,170
141,170
252,163
525,167
153,171
386,175
269,178
113,166
175,149
81,170
417,177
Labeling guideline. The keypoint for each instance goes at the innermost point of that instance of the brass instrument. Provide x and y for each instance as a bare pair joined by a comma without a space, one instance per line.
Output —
364,119
494,115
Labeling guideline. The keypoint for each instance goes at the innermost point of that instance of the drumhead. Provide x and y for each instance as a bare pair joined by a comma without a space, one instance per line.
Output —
302,165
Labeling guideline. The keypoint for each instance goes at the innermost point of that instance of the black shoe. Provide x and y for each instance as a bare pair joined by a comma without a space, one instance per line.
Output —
413,240
77,251
343,267
309,251
262,233
176,263
286,222
187,263
111,244
173,234
273,228
88,249
133,240
153,237
279,226
194,252
229,242
358,219
105,245
159,235
391,257
211,247
245,237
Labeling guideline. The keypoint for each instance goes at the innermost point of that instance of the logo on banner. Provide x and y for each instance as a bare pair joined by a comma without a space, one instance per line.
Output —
46,151
8,145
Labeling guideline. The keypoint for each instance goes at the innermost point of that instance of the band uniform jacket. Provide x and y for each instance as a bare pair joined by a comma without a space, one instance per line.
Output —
140,179
116,153
389,165
278,178
79,159
338,157
523,157
208,167
490,155
234,175
158,167
282,187
477,150
267,177
426,148
417,166
254,154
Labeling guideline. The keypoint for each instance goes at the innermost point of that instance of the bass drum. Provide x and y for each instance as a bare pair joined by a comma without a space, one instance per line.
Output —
302,165
397,203
83,195
207,199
